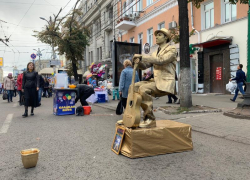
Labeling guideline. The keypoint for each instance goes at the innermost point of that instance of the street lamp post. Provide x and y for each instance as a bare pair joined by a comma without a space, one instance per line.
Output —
39,54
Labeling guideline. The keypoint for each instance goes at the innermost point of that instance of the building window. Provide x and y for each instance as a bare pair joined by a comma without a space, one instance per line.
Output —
97,54
92,59
140,5
209,15
229,11
150,36
149,2
140,37
161,25
100,53
132,40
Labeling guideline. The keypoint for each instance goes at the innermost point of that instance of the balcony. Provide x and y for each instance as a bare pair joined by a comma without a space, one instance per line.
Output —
108,25
125,24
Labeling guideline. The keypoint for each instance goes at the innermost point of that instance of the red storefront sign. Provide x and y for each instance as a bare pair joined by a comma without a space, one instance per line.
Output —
218,73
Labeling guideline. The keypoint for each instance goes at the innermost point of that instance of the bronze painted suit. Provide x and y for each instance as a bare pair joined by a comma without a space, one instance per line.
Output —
164,65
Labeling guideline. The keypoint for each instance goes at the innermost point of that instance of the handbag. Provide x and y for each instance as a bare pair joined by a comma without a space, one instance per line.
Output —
22,101
5,95
119,108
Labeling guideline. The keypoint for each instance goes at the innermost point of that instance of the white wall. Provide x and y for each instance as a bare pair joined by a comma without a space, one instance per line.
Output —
236,29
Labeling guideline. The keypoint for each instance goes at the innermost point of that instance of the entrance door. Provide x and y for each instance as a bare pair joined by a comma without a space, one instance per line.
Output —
216,74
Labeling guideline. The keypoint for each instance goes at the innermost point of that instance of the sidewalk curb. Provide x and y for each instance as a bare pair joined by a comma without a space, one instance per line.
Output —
194,111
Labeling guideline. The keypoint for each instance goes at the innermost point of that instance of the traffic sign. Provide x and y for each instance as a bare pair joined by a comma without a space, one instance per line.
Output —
33,56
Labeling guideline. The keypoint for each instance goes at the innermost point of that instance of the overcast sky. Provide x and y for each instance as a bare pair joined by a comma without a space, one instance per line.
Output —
21,18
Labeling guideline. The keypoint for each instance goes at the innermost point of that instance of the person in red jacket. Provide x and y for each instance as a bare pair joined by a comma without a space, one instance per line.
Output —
19,86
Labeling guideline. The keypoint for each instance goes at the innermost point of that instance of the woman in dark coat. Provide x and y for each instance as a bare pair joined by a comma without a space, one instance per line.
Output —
30,87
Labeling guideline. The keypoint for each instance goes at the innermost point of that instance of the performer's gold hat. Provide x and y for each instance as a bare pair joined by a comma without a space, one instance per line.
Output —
164,31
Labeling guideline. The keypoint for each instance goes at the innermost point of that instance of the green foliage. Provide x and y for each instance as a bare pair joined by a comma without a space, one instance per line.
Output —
197,3
71,40
175,36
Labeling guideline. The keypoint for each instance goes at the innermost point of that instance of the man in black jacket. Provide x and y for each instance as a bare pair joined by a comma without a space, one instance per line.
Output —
84,92
240,79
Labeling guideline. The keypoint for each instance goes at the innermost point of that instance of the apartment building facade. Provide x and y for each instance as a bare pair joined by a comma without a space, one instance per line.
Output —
98,17
221,33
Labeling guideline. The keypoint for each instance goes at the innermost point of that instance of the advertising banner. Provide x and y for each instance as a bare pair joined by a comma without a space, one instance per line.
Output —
64,102
123,51
1,62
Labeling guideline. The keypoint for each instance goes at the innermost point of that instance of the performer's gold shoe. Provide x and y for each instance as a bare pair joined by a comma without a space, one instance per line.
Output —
148,124
120,122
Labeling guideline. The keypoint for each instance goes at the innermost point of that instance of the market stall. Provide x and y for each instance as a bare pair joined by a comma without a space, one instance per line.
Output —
64,101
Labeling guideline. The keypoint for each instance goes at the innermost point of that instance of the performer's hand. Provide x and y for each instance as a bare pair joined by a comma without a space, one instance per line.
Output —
37,88
22,90
136,58
120,93
230,79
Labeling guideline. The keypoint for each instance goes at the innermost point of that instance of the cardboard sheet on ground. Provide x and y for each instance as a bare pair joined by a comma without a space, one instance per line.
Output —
167,137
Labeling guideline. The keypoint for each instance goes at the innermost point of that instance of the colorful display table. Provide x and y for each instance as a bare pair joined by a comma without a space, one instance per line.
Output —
64,101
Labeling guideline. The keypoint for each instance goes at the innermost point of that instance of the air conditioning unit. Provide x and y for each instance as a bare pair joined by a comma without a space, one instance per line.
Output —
172,25
136,14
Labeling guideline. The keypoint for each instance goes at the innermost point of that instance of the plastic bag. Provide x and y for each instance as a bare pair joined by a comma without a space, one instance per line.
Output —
231,87
92,99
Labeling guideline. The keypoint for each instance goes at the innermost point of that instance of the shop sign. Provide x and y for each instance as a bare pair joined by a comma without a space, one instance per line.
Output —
218,73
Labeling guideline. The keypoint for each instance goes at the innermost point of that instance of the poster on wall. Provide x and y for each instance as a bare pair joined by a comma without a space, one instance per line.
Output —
123,51
218,73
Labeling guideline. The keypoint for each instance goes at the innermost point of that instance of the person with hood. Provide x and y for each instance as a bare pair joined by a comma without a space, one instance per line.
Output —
9,85
30,88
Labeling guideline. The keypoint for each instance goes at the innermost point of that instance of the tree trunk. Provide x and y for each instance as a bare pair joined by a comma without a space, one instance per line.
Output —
185,79
75,70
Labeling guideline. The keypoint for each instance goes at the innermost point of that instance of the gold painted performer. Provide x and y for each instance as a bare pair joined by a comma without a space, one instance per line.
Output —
163,62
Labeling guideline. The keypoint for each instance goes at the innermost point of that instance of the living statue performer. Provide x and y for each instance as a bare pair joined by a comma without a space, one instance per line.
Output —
163,62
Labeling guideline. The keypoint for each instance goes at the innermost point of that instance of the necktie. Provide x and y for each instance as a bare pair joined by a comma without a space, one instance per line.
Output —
158,50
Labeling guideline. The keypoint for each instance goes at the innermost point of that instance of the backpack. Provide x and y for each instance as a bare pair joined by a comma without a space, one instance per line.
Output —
79,111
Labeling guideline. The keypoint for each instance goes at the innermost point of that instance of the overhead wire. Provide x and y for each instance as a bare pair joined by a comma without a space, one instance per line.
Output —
24,16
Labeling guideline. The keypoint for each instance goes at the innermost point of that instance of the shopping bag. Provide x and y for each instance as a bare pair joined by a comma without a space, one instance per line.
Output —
5,95
231,87
119,108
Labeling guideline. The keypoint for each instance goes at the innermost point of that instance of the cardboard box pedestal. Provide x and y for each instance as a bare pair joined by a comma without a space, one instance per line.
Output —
167,137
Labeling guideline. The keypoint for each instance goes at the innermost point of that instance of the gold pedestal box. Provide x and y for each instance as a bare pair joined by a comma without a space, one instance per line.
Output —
167,137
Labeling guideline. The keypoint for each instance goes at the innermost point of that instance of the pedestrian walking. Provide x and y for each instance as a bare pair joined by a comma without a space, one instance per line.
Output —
15,88
9,85
172,96
19,87
41,85
240,79
30,87
125,81
84,92
46,87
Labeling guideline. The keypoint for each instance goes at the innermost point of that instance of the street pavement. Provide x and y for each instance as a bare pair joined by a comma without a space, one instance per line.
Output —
73,147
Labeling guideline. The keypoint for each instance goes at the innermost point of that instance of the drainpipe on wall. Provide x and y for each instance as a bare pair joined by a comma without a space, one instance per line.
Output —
192,23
